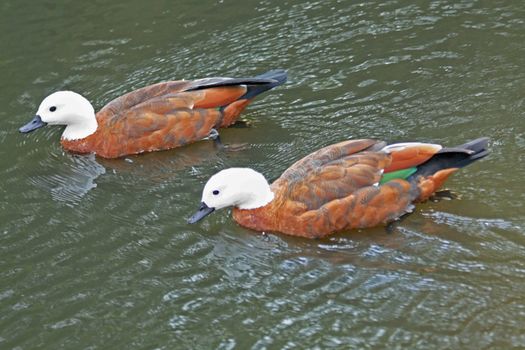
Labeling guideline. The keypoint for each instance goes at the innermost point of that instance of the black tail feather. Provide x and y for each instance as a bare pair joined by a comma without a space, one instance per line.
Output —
456,157
277,76
476,145
256,85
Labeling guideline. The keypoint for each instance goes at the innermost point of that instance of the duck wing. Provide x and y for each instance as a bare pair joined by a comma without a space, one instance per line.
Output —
163,97
337,188
201,93
333,172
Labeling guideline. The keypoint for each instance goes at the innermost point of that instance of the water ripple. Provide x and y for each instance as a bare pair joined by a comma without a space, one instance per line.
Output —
97,254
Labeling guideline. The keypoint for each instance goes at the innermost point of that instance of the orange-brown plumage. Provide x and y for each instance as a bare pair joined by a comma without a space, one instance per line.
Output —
162,116
337,188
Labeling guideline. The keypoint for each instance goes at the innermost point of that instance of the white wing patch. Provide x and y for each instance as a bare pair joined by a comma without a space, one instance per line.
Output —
402,146
381,171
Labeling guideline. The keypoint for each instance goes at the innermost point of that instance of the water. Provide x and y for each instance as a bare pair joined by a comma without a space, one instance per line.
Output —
96,254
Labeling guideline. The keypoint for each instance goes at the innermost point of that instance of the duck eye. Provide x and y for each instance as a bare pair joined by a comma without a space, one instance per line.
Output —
52,109
215,192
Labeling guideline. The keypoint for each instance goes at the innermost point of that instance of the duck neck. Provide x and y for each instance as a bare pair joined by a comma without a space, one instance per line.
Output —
257,198
81,129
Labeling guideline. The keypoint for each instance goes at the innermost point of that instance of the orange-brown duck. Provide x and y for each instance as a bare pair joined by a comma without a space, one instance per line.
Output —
157,117
352,184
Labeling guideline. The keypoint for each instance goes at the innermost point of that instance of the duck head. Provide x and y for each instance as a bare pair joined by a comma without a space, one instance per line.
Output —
65,108
243,188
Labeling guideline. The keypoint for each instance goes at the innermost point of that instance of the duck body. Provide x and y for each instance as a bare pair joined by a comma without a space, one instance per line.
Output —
157,117
348,185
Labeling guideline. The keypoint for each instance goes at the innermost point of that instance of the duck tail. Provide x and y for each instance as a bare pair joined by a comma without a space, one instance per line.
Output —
279,75
254,86
431,175
456,157
264,82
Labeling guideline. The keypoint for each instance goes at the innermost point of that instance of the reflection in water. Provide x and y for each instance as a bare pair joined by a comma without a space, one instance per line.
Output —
166,164
115,266
74,179
75,176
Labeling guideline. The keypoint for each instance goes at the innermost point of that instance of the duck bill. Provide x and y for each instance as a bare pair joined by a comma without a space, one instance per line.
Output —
203,211
34,124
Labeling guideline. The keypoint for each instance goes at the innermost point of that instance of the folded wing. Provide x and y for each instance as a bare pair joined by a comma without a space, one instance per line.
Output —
333,172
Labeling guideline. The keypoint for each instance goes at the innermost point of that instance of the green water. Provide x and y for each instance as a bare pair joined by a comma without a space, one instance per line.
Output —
96,254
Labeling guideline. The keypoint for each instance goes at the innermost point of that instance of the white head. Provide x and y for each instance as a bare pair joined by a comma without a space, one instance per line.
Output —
243,188
65,108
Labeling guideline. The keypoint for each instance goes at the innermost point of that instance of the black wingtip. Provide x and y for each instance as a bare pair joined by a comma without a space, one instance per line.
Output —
472,147
271,78
477,145
457,157
259,83
279,75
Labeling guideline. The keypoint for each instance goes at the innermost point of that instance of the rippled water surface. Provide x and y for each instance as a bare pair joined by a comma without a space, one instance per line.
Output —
96,254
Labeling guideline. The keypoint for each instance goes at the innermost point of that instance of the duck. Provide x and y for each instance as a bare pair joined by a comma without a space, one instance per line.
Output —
153,118
353,184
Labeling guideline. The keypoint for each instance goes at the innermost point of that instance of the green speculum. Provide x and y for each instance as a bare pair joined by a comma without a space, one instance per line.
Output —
398,174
